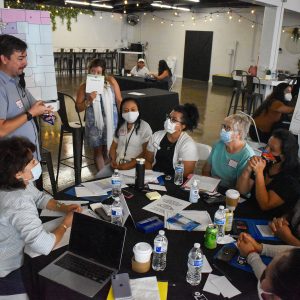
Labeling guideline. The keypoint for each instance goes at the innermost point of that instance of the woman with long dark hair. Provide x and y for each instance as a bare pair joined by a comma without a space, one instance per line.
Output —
273,179
164,72
131,136
269,115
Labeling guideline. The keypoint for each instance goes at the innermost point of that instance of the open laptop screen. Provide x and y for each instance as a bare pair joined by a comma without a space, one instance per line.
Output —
97,240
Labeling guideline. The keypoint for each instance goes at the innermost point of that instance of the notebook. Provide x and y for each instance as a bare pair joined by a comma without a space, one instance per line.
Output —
94,255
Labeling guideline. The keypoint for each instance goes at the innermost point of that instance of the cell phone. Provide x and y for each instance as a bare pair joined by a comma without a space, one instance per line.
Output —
127,194
214,199
102,214
239,226
121,286
226,253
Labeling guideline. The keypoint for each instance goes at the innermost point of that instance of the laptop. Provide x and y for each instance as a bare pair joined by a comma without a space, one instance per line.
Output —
95,253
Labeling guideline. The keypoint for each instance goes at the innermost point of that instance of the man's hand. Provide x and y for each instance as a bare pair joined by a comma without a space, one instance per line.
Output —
39,108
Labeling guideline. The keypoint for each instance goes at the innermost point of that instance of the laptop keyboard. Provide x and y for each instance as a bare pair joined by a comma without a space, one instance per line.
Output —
84,268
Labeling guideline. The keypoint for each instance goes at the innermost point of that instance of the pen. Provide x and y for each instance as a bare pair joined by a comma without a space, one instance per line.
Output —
222,272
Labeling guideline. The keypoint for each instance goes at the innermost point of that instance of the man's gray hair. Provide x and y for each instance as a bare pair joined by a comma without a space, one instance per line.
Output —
240,123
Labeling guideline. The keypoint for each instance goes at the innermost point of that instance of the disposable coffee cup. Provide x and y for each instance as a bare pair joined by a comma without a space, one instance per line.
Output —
142,252
232,199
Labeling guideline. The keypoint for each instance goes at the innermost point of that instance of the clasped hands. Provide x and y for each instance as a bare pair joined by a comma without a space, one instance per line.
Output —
256,164
247,244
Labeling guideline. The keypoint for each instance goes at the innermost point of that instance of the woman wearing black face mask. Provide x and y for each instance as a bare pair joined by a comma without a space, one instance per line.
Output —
273,179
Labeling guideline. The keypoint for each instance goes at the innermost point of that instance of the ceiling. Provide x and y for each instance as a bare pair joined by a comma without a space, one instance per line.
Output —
135,6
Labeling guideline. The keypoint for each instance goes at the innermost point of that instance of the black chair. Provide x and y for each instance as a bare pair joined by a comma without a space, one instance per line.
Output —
237,91
46,159
77,130
252,98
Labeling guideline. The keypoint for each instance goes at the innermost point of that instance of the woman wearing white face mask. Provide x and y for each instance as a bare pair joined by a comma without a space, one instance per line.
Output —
272,112
167,146
20,224
131,136
229,156
280,279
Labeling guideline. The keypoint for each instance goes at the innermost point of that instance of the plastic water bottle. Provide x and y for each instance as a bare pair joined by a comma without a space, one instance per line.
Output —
179,170
194,192
117,212
159,260
195,263
220,220
116,184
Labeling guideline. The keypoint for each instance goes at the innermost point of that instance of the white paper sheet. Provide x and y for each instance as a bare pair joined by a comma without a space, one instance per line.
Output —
225,287
201,217
226,239
52,213
157,187
82,191
206,268
49,227
136,94
166,204
265,230
94,83
95,187
144,288
209,287
204,183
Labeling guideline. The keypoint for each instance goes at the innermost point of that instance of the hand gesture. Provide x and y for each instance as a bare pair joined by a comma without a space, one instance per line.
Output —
246,244
257,164
72,208
39,108
280,227
92,96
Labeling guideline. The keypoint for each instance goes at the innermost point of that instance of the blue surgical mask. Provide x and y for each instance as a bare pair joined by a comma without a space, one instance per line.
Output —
225,136
36,172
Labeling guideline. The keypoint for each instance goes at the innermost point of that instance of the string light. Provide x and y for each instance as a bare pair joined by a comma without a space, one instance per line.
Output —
252,25
145,13
283,30
176,13
153,18
210,18
125,1
240,20
172,24
137,4
193,18
124,11
162,22
101,17
205,20
121,17
112,15
230,17
182,24
252,11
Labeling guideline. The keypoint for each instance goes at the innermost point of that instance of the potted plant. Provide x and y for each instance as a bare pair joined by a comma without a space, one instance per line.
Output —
268,74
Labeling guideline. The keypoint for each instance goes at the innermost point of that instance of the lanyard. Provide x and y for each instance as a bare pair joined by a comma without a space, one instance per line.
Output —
127,141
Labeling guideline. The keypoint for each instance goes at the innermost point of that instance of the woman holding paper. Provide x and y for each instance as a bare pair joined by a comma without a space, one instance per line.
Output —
278,280
166,146
131,136
101,110
20,224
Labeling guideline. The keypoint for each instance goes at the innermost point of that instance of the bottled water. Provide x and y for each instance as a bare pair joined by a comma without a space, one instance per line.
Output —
116,212
195,263
116,184
159,260
179,170
220,220
194,192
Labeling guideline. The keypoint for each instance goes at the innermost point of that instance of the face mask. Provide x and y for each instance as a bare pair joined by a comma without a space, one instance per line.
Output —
130,116
169,126
225,136
36,172
260,291
288,97
270,158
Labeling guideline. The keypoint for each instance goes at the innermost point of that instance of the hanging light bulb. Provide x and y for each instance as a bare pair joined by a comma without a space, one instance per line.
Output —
145,13
137,4
253,25
125,1
101,16
283,30
218,15
121,17
193,18
240,20
153,18
205,20
182,24
228,12
252,11
112,15
161,22
230,17
176,13
124,11
210,18
172,24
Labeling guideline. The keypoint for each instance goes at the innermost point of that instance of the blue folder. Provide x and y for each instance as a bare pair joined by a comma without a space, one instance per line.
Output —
71,192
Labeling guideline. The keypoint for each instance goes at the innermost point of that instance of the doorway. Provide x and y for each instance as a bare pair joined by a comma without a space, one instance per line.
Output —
197,55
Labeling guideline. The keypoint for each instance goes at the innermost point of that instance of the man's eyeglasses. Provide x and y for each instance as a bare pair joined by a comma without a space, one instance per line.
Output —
173,120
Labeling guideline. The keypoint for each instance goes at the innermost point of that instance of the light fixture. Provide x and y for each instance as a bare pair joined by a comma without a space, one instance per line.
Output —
218,15
193,18
101,16
252,11
175,13
283,30
153,18
197,1
172,24
181,8
124,11
102,5
252,25
89,4
125,1
230,17
112,15
205,20
194,23
145,13
121,17
240,20
210,18
169,6
182,24
161,22
137,4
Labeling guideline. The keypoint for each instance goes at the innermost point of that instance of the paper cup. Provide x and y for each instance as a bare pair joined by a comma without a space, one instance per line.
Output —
232,199
142,252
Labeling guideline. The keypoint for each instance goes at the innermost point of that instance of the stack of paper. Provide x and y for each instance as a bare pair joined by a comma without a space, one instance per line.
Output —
129,176
220,285
201,217
205,183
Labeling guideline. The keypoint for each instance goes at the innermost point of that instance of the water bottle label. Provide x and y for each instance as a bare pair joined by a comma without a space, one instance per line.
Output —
198,263
115,181
159,248
179,169
116,212
220,221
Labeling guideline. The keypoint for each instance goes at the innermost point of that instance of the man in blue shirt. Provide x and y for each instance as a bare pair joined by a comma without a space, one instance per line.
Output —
18,106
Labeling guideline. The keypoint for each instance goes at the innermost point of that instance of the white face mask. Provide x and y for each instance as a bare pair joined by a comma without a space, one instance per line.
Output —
169,126
36,172
260,291
288,97
130,116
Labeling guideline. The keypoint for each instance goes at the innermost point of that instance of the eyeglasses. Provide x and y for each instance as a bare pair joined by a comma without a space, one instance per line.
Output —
226,127
173,120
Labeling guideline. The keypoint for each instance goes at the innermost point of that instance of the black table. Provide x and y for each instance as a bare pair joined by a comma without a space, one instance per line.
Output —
180,242
155,104
136,83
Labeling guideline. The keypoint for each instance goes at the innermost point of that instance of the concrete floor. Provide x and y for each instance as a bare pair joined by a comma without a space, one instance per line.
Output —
212,102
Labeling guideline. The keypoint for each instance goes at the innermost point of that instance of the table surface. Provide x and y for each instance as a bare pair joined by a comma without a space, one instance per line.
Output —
180,242
271,82
149,92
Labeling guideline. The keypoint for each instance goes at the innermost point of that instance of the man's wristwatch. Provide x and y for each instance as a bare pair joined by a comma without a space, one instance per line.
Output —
29,115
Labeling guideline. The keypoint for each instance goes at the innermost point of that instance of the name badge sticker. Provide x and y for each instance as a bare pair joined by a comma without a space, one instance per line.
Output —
19,103
122,132
232,163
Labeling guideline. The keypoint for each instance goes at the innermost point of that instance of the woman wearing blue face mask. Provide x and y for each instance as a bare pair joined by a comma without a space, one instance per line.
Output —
280,279
273,179
231,153
20,224
131,136
167,146
272,112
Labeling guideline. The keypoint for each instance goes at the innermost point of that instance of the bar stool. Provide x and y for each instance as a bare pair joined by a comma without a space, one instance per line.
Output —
46,159
253,98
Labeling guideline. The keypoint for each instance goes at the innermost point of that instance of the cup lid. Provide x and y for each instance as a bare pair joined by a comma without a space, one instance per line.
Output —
142,248
232,194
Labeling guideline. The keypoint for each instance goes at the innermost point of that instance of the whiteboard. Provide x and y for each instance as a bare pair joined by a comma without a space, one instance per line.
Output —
34,28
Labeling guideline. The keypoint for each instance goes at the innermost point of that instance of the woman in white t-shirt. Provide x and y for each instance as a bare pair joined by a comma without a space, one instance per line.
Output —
166,146
131,136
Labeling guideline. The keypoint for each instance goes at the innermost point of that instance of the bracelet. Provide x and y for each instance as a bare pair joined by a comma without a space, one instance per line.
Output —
64,226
